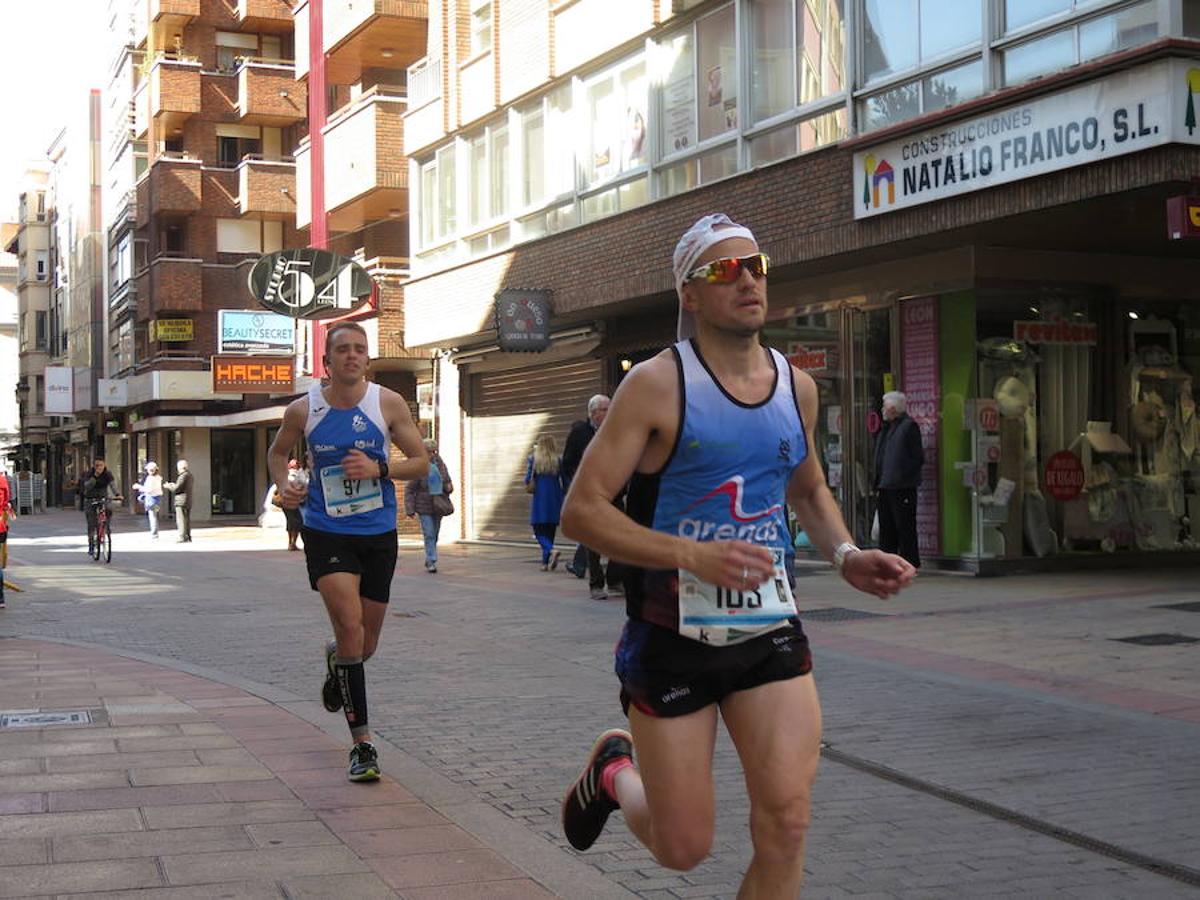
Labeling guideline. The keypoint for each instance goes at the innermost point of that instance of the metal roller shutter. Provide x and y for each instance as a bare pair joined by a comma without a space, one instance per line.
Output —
508,411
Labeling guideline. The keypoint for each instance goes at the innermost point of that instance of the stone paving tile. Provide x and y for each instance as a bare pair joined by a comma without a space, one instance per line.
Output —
344,819
283,863
243,791
19,766
70,878
96,762
291,834
325,887
224,890
402,841
445,868
196,775
150,843
42,750
285,761
180,742
23,851
66,781
248,813
347,794
517,889
54,824
116,798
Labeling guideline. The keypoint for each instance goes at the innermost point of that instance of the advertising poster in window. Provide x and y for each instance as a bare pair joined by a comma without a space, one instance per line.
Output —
679,97
922,388
60,389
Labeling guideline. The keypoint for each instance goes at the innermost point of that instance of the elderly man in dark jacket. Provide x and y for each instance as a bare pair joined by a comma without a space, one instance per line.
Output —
899,457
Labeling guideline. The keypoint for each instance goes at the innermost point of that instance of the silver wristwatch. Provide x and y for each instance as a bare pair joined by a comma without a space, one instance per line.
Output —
844,549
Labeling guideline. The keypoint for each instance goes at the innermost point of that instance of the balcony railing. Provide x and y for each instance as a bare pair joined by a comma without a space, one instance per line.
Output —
268,93
424,81
267,188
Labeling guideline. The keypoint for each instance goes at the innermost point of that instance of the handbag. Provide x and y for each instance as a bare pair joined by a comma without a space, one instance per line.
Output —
441,505
531,486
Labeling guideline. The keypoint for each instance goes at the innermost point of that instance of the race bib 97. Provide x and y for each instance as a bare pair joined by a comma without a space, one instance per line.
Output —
347,496
716,615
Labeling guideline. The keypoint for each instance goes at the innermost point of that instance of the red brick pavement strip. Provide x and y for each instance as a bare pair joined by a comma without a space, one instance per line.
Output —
1172,706
246,800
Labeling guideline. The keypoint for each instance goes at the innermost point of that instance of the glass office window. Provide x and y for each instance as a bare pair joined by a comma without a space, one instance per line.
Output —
948,25
821,36
1109,34
717,63
447,219
498,170
676,72
891,106
1019,13
820,131
900,34
773,83
951,86
1040,57
616,113
477,176
533,151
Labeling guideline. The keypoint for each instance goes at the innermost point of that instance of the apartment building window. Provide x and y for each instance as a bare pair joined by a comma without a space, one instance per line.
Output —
231,46
37,397
41,265
231,150
438,198
40,334
41,206
1094,37
120,263
249,236
23,328
481,26
124,346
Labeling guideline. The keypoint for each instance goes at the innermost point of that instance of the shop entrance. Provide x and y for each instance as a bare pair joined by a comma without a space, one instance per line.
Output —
233,472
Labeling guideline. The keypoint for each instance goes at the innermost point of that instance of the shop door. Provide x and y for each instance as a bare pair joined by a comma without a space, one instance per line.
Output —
508,410
867,377
233,472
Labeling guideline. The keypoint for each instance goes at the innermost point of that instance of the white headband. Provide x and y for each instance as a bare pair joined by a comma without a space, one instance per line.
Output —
707,231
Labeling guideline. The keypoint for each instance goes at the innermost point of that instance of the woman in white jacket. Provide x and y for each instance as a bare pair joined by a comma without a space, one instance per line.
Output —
151,490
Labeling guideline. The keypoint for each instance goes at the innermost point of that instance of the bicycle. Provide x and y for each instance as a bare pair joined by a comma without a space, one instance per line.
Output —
100,538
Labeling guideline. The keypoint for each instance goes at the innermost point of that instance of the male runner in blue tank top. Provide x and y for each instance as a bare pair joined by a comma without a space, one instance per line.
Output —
349,512
713,436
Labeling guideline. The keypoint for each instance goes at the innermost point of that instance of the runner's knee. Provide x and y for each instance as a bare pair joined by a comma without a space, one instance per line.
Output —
681,850
778,827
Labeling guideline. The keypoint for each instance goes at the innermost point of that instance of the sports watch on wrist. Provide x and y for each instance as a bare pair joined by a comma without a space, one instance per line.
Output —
383,469
844,549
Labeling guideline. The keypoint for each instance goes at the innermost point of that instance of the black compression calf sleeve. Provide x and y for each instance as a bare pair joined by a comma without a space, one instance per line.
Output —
352,682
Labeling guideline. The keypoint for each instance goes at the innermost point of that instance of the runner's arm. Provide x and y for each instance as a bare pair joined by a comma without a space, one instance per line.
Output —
611,458
871,571
406,436
290,431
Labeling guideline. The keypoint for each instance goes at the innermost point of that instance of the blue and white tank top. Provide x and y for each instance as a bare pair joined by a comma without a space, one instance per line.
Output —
336,503
725,479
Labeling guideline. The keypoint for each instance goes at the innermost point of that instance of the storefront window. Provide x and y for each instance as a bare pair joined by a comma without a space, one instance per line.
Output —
232,479
1094,38
676,65
891,43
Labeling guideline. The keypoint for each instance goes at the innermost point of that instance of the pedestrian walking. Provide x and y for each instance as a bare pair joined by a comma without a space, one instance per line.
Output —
428,498
586,561
349,511
712,625
899,457
151,490
293,520
544,480
7,512
181,489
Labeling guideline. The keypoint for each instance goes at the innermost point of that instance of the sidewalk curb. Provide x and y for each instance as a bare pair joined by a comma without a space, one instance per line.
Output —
555,869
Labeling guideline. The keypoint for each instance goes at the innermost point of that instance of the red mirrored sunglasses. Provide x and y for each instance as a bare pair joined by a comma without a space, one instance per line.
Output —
728,269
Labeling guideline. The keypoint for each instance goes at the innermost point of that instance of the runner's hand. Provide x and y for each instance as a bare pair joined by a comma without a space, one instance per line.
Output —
878,573
292,494
734,565
356,464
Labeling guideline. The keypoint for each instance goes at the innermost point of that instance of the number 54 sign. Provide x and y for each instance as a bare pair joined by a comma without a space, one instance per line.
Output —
308,283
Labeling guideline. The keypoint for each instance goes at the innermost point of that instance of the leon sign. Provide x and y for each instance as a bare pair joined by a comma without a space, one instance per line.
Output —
309,284
252,375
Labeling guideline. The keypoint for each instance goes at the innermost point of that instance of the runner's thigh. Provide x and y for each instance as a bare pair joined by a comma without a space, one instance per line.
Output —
776,728
674,756
339,591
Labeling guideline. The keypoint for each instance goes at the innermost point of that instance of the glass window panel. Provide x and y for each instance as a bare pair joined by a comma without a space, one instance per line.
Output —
560,142
533,144
600,161
634,91
428,202
478,179
1019,13
1049,54
679,178
498,171
677,74
617,112
561,217
892,106
772,85
820,57
822,130
889,38
634,194
446,210
952,86
600,205
1109,34
718,164
773,146
949,25
718,75
533,226
1191,18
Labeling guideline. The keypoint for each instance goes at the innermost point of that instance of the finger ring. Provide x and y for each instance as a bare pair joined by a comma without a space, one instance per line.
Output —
745,574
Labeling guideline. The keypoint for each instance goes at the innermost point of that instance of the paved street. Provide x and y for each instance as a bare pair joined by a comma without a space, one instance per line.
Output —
986,737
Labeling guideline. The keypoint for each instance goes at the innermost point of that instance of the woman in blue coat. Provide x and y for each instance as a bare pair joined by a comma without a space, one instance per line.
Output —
543,479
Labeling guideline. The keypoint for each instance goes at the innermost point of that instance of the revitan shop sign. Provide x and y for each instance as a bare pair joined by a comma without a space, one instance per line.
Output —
1112,116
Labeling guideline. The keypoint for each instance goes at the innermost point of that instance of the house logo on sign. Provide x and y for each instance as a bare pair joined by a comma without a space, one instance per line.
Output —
878,177
1193,88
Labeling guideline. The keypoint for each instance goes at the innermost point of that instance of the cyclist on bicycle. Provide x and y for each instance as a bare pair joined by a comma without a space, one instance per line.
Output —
98,487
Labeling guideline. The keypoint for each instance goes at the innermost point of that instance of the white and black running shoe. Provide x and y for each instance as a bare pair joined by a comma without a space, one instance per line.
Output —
586,807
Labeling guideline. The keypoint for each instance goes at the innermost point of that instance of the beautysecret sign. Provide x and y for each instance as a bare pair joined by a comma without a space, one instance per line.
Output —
1112,116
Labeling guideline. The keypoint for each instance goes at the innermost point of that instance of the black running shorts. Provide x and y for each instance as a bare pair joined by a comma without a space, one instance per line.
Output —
370,556
664,674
